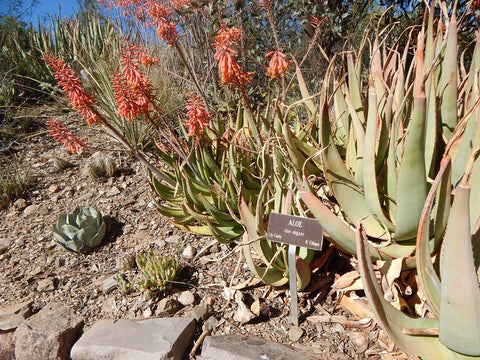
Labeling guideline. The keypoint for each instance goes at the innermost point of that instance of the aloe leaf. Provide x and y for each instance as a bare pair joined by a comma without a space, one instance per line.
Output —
304,91
69,230
347,192
448,81
459,321
394,322
412,178
428,279
369,168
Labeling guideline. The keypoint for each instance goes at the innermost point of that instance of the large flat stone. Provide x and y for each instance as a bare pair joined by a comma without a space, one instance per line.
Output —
49,334
12,316
7,345
150,339
236,347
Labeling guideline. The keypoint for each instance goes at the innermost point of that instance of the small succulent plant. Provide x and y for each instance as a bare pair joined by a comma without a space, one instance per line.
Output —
155,273
80,230
101,167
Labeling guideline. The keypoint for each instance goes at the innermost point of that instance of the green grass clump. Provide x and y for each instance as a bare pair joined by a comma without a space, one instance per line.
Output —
13,182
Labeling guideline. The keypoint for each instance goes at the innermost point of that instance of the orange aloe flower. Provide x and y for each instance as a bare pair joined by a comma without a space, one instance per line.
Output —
64,137
278,65
162,17
230,71
198,116
72,87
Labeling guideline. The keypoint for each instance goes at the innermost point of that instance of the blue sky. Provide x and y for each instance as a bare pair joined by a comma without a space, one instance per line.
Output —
42,8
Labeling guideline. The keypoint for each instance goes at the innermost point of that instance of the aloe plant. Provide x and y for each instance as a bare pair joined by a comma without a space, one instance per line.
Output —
452,294
80,230
378,153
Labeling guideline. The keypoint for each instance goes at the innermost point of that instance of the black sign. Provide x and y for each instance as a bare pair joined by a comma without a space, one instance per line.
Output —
295,230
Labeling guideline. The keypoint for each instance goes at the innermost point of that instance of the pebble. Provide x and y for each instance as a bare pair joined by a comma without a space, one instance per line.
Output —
167,306
30,210
114,191
4,245
53,188
189,252
20,204
47,284
186,298
295,333
85,197
199,313
174,239
42,210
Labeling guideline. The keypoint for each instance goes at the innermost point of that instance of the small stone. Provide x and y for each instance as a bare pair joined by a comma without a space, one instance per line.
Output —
188,252
53,188
114,191
109,284
295,333
20,204
211,323
38,270
20,242
199,313
186,298
47,284
4,245
243,314
168,306
42,210
85,196
173,239
30,210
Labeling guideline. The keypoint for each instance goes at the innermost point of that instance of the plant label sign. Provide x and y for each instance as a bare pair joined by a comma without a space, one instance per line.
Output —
295,230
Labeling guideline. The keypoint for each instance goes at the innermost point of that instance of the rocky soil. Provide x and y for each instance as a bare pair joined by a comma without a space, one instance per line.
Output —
213,285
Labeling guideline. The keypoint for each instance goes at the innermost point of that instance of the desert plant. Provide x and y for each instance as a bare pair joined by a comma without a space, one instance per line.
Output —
13,181
80,230
378,152
155,274
101,167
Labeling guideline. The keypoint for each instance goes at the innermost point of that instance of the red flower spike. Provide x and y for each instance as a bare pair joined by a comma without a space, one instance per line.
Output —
277,65
198,116
64,137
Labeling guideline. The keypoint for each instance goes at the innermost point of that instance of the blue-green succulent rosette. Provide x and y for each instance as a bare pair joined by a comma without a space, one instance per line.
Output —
80,230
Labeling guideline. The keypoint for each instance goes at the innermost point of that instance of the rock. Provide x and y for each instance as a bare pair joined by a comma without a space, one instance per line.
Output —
49,334
243,314
189,252
113,191
13,316
199,313
20,204
7,345
186,298
109,284
166,338
85,197
4,245
47,284
236,347
174,239
30,210
295,333
168,306
53,188
42,210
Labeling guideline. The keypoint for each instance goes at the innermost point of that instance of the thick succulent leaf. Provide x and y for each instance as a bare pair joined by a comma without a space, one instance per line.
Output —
448,81
347,192
394,322
98,237
304,273
412,178
340,234
369,163
69,231
428,279
459,321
